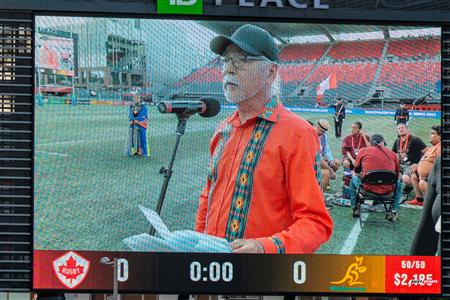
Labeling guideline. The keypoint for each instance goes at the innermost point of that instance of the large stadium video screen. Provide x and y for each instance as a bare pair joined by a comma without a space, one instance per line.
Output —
234,157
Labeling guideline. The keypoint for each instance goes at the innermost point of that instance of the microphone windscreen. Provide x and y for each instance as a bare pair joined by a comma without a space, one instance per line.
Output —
212,107
162,107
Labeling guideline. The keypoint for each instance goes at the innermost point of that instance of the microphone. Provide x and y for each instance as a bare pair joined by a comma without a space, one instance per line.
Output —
205,107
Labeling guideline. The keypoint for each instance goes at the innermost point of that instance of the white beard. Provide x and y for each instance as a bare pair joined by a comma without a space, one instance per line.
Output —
236,99
240,97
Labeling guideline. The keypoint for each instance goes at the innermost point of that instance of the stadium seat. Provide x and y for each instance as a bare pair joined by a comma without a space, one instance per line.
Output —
409,79
354,50
303,52
413,71
415,48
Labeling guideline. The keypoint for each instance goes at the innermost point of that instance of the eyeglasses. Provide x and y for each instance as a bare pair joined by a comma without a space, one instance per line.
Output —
239,61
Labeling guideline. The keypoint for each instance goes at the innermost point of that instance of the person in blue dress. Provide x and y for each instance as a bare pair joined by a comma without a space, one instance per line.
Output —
138,117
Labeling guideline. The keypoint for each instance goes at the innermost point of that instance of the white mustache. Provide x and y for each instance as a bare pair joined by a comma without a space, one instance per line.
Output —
229,79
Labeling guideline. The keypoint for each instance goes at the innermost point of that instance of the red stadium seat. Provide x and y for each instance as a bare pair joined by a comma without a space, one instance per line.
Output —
359,73
294,73
353,50
415,47
303,52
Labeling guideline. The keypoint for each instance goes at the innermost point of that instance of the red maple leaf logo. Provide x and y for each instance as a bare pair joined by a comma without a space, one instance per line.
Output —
71,270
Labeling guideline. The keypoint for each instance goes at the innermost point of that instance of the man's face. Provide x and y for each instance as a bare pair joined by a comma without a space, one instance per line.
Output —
434,137
402,130
243,82
320,131
355,129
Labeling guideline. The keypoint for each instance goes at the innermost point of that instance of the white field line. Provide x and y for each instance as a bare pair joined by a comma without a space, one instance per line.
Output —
150,133
352,238
60,143
52,153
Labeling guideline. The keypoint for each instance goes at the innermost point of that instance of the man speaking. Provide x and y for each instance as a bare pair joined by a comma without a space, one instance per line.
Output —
262,192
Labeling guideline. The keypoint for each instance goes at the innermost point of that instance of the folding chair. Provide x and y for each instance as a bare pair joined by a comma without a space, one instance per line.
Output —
378,177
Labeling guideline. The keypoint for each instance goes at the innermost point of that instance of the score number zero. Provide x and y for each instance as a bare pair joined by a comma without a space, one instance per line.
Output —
224,271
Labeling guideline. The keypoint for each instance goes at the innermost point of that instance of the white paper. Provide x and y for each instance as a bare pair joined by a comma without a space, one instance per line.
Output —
177,241
145,242
156,221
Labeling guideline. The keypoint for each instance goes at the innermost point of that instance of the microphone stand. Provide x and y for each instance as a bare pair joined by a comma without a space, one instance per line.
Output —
167,172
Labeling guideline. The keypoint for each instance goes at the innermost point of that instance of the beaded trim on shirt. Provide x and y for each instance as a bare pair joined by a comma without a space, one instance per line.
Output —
240,204
318,169
269,108
279,244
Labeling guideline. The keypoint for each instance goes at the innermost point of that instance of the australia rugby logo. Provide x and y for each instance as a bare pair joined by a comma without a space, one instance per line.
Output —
71,269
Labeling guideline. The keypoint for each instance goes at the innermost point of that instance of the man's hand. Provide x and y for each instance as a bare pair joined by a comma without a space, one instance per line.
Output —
364,136
350,157
246,246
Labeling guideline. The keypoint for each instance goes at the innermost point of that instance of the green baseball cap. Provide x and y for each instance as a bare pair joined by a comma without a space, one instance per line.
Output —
251,39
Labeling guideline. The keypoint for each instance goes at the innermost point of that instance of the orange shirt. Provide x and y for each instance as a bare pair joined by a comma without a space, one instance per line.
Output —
263,183
426,162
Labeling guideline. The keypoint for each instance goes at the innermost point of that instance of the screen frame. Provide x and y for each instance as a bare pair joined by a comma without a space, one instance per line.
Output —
250,19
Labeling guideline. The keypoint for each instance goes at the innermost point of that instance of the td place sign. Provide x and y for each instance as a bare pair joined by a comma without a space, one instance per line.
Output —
294,3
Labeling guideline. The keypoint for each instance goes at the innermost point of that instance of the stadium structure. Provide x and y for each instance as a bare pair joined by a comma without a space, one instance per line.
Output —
359,58
371,65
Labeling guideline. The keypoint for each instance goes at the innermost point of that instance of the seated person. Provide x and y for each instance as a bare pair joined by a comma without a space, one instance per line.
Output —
137,140
420,173
328,164
409,149
350,149
426,239
375,157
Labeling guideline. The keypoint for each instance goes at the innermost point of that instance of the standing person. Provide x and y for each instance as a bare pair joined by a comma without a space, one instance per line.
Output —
137,139
402,114
339,116
262,193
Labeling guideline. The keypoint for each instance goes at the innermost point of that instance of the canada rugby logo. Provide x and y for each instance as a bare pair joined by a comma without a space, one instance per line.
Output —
71,269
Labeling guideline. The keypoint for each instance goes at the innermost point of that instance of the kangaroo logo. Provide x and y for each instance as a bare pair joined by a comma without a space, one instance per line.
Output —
351,277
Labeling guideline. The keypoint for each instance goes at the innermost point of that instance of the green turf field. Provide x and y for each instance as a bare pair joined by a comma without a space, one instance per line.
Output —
87,191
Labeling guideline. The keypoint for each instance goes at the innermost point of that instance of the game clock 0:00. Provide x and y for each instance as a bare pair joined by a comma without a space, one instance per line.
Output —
216,271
